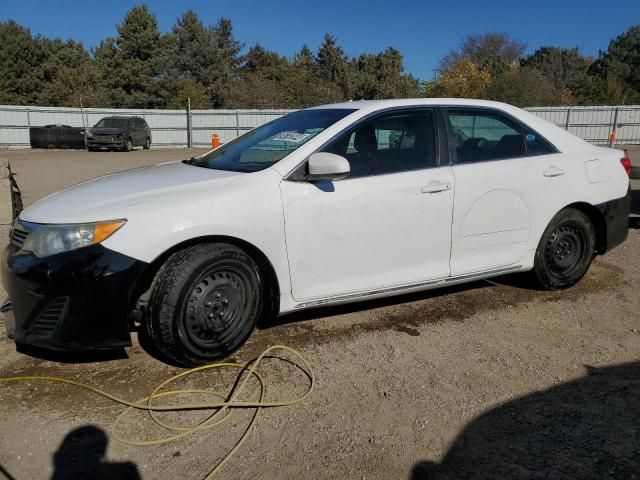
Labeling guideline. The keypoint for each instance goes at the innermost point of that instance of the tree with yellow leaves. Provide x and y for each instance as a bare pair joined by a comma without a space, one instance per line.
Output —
463,79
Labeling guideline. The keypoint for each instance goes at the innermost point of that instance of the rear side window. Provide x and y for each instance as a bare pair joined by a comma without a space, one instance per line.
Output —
483,135
390,143
536,145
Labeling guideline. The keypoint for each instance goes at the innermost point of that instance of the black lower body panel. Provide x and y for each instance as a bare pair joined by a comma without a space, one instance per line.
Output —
616,217
75,300
116,144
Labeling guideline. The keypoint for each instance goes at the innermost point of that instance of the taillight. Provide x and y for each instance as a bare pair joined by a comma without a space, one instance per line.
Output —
626,163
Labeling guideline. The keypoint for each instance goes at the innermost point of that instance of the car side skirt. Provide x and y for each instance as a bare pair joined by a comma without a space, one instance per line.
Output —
407,288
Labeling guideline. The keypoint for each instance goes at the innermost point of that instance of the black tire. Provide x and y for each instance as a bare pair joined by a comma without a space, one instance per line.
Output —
565,251
147,144
91,149
205,303
128,146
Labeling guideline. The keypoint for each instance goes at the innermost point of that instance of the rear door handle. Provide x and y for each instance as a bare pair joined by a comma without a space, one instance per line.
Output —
435,187
553,172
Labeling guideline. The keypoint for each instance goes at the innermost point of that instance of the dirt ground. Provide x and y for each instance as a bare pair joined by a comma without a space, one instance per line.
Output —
488,380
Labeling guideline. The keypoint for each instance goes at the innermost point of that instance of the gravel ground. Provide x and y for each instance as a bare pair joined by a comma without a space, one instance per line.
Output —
488,380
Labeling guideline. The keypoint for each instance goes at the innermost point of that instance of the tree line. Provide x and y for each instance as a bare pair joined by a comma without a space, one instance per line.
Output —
144,68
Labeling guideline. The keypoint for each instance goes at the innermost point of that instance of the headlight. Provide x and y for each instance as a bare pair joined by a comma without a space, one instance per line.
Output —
48,240
89,134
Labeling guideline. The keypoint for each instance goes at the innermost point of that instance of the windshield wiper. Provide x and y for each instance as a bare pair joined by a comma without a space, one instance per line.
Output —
190,161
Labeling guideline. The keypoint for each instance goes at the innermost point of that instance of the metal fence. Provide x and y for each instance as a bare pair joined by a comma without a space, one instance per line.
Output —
182,128
169,128
596,124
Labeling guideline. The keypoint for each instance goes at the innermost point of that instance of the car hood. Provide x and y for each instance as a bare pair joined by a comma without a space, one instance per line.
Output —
108,197
106,131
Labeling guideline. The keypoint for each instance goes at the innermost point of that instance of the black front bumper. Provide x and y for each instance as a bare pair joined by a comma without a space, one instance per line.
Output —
70,301
106,143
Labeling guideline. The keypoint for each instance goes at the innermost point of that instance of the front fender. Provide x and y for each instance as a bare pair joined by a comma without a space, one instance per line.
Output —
251,211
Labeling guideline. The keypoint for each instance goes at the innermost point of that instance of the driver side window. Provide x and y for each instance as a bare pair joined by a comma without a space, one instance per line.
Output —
390,143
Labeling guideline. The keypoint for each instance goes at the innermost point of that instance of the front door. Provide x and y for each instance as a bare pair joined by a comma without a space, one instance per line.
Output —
387,225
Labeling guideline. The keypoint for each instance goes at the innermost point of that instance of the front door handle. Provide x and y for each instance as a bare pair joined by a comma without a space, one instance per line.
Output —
435,187
553,171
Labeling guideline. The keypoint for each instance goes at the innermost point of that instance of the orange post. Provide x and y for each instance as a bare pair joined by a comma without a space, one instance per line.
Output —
215,141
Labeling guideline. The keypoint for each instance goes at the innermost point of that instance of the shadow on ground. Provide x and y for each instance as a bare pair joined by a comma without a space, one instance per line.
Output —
584,429
81,455
333,310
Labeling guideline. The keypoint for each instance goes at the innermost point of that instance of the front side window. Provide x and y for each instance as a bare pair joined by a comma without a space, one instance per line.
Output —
268,144
393,142
481,136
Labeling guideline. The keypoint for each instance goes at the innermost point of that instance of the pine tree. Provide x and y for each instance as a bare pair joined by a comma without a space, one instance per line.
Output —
131,63
333,65
21,78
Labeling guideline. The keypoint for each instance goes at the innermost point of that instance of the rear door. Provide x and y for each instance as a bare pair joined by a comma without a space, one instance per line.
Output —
387,225
146,132
507,178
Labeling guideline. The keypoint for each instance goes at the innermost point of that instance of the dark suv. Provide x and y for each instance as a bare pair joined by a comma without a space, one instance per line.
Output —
121,133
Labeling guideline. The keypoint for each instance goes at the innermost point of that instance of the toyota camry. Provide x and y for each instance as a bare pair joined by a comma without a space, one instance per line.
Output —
328,205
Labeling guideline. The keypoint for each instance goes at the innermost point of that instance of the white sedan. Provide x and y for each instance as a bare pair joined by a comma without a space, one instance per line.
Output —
327,205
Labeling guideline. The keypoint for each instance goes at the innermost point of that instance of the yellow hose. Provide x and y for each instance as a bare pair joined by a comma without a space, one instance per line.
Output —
221,408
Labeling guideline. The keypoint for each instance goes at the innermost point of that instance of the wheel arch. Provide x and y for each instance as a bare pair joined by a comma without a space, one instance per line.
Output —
596,217
145,281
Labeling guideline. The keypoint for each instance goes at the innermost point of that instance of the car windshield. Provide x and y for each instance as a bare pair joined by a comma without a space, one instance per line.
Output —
266,145
112,123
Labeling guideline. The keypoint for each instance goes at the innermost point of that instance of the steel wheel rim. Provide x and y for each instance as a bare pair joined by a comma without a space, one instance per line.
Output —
566,249
216,306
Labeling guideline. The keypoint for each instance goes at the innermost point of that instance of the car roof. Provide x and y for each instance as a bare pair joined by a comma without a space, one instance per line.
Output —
403,102
121,117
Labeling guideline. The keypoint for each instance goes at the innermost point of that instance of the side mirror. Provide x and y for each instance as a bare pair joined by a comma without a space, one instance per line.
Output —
328,166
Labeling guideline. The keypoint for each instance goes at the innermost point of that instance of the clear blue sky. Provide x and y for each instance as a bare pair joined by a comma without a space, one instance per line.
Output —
422,30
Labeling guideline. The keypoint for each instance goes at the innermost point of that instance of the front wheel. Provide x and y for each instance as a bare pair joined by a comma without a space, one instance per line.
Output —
565,251
147,144
128,146
205,303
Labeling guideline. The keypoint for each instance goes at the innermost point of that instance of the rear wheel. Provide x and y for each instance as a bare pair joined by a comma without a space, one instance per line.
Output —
565,251
205,303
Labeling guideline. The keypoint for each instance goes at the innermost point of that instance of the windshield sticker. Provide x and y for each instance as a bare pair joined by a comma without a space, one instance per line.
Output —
291,136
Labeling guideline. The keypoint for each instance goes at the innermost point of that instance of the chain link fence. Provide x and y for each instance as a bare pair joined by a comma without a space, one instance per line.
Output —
194,128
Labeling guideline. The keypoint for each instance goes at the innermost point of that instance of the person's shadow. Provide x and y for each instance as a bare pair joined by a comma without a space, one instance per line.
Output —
588,428
81,456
